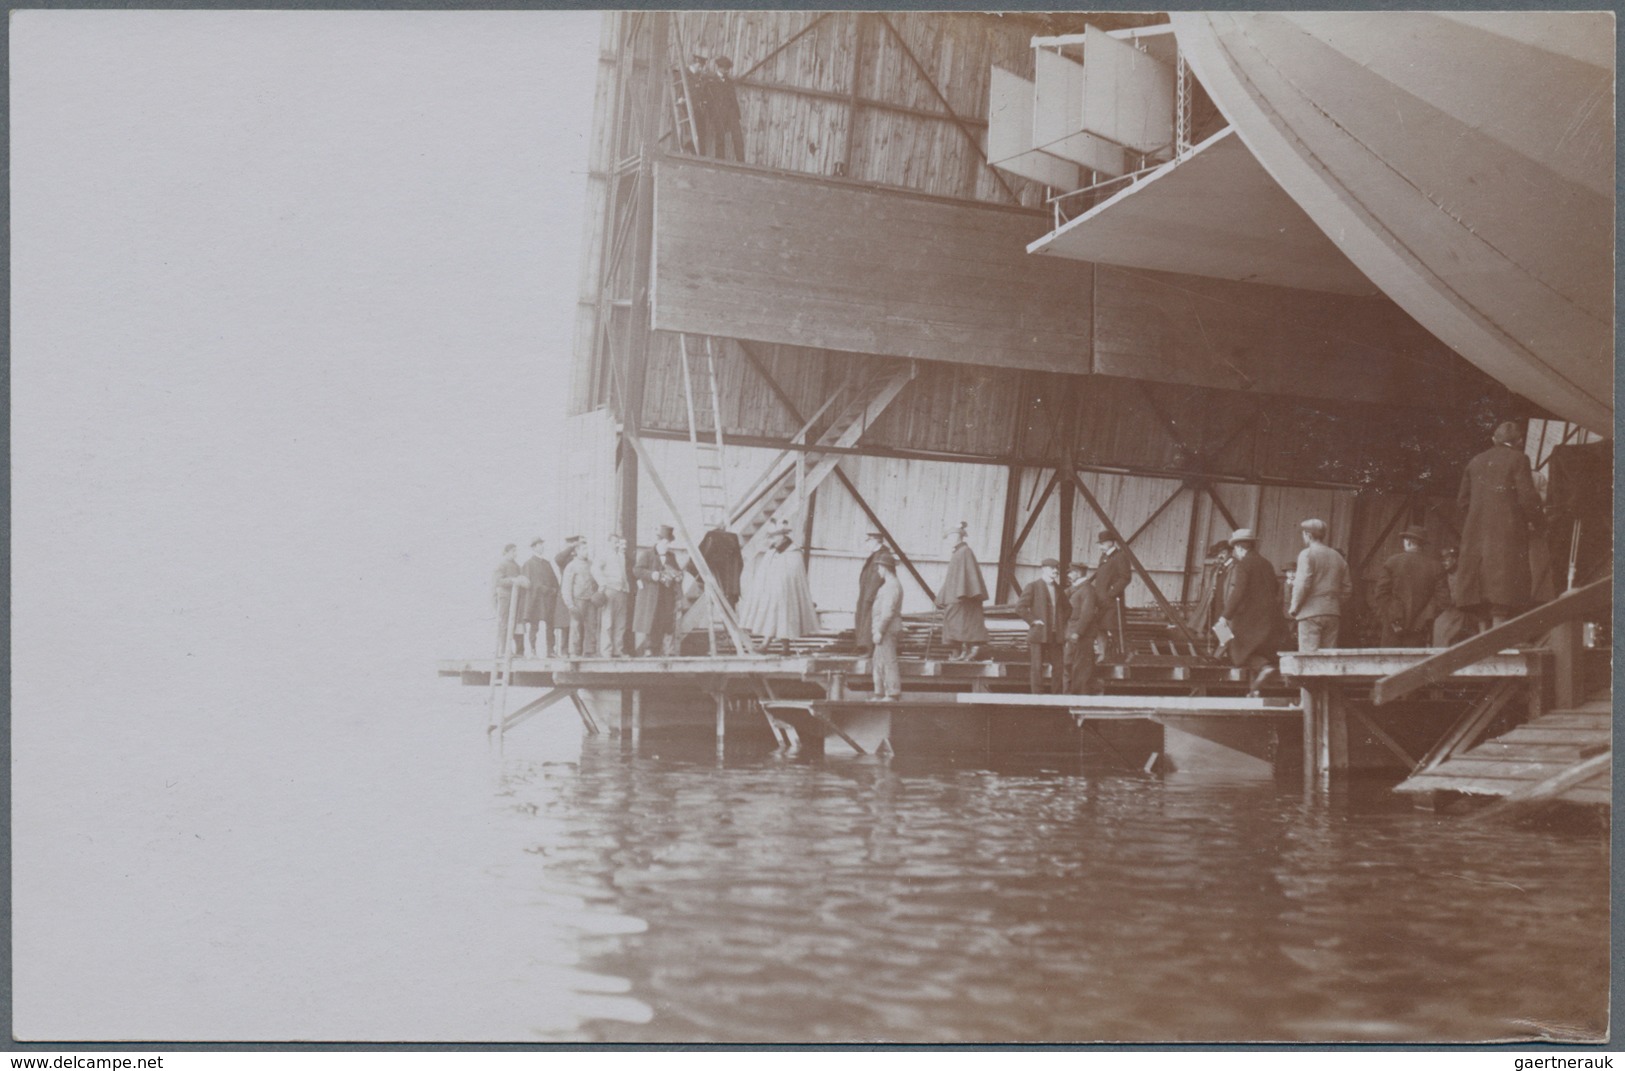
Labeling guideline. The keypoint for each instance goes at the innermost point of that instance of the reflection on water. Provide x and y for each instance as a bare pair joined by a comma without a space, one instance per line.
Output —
760,898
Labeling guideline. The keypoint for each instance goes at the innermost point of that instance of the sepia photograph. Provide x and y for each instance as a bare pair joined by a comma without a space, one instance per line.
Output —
811,528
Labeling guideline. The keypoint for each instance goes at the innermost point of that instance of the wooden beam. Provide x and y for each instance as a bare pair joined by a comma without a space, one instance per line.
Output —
925,76
859,24
862,102
1382,737
1007,536
1551,787
786,43
1156,593
1571,605
789,405
1033,515
1469,727
1404,508
1158,512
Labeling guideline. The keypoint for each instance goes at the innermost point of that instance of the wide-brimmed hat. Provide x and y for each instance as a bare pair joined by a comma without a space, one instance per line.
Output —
1106,537
1416,535
1243,535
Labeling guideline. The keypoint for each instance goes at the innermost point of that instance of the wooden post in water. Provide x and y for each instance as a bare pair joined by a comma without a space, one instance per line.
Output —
637,714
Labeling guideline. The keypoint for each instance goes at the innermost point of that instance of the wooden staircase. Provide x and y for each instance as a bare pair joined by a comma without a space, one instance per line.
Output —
1561,756
784,488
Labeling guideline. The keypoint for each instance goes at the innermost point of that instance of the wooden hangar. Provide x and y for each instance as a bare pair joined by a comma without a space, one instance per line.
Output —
894,333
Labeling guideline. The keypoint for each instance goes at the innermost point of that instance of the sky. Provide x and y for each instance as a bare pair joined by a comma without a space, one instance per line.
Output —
292,302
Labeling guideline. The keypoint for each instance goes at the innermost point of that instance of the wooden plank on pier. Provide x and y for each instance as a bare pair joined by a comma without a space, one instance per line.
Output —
1140,706
1572,605
1372,663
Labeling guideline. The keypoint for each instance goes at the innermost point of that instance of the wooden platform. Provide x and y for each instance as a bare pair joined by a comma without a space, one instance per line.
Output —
1531,755
1374,663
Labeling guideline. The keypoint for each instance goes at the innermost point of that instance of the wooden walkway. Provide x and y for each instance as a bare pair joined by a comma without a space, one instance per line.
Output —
1561,756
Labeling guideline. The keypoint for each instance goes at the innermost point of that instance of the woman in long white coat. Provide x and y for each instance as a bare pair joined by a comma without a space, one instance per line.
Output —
778,604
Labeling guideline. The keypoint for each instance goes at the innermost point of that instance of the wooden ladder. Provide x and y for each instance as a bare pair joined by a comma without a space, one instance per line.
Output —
703,400
502,668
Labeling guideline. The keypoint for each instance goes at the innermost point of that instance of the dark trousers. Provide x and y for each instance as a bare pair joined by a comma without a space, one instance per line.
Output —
1080,665
1039,655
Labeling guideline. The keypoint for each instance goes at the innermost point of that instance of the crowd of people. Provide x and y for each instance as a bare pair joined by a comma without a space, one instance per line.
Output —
584,603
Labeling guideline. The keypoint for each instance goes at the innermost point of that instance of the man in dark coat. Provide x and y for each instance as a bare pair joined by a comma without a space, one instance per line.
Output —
723,556
1252,609
508,595
1111,579
869,581
724,134
1411,591
655,616
1082,619
1044,611
960,598
1215,582
539,599
1498,493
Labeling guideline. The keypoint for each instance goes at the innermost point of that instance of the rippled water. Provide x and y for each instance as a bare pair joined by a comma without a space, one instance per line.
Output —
755,897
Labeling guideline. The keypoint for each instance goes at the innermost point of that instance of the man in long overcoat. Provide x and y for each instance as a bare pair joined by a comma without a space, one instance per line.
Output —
1082,620
1412,589
724,135
1044,611
655,616
869,581
1111,579
960,599
1252,609
1502,505
543,593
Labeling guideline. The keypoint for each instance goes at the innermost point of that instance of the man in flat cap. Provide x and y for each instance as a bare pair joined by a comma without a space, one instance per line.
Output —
1412,590
1044,611
869,581
1252,610
1320,586
1502,506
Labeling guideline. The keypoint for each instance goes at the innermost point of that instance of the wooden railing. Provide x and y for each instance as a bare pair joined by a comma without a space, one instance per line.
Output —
1570,606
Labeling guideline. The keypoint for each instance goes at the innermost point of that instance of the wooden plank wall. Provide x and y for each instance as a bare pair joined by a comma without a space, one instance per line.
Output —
744,254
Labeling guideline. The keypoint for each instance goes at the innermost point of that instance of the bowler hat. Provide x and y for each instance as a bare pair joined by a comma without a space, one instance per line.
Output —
1416,535
663,531
1221,545
1243,535
1105,537
1049,563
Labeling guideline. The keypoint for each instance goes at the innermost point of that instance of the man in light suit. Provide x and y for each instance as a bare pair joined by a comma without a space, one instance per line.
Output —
1319,588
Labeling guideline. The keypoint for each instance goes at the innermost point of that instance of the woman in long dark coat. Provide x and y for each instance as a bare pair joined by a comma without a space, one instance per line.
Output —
1498,493
869,581
1252,609
961,598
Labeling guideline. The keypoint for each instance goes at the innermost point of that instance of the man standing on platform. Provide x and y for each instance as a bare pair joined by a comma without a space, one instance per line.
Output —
1252,610
1412,590
1111,579
561,612
886,624
960,599
655,616
1040,606
1319,588
581,597
724,134
1215,576
1083,611
1498,493
869,581
539,599
507,584
615,595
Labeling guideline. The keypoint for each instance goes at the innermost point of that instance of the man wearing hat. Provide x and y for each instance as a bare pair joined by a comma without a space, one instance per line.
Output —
1412,589
1083,607
508,585
1252,609
1041,607
869,581
655,615
1502,507
561,613
1210,601
1111,579
1320,586
724,135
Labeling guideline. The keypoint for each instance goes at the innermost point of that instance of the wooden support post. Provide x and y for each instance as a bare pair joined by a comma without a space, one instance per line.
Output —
1309,700
1195,547
722,715
1564,640
1336,722
637,714
1377,733
1007,536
